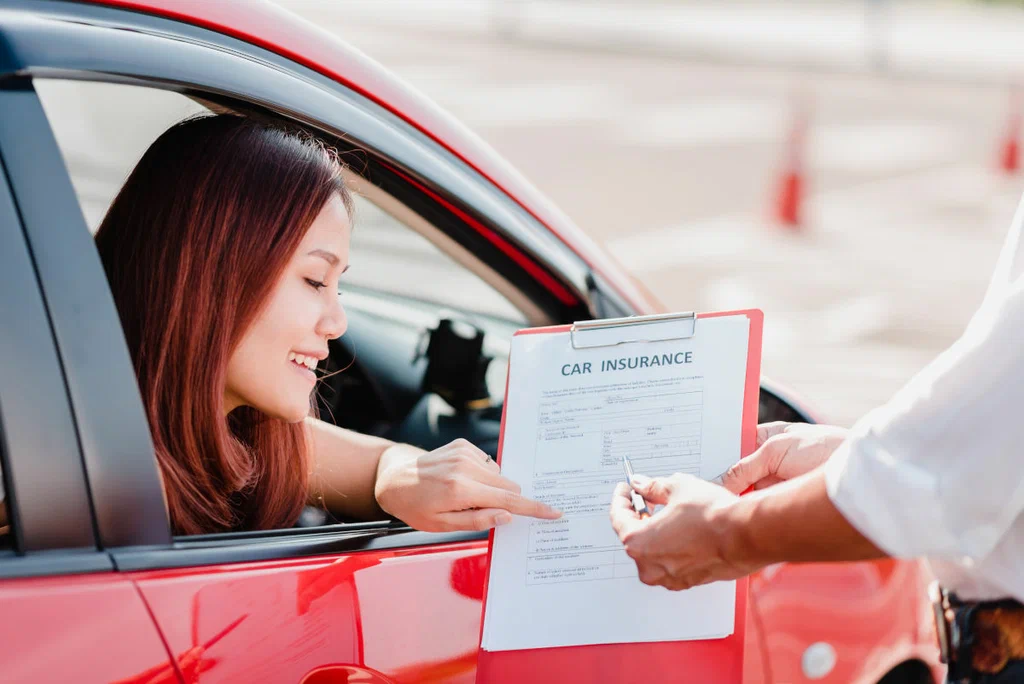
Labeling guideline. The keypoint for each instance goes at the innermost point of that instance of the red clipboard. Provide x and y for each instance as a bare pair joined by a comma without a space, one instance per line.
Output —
716,661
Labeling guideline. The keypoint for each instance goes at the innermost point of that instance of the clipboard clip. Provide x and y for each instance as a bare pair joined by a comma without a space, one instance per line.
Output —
581,330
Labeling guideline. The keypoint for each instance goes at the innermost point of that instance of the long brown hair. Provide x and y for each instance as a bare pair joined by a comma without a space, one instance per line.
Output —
192,246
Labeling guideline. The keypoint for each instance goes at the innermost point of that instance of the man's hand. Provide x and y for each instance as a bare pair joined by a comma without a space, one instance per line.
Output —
456,487
784,451
681,545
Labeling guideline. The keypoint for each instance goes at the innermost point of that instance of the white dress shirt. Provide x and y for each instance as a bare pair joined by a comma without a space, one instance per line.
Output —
938,471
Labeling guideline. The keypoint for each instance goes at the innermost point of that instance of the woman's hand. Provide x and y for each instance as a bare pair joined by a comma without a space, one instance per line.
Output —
784,451
456,487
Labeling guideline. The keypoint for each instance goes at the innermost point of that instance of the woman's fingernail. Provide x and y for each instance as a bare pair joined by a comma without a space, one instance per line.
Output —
502,519
640,480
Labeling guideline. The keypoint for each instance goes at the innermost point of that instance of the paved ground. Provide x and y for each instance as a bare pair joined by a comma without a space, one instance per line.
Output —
672,164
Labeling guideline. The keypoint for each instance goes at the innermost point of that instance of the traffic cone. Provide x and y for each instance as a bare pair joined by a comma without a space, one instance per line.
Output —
791,185
1009,152
787,208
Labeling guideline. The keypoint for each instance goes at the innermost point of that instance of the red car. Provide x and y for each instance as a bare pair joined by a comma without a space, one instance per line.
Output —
95,588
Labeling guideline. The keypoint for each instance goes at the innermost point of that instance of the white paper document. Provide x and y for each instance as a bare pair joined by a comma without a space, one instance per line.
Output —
674,405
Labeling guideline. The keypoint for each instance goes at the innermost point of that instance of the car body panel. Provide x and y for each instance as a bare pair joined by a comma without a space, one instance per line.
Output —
399,616
873,614
80,628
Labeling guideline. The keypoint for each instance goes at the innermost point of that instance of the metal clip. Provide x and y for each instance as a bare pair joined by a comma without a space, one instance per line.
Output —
579,328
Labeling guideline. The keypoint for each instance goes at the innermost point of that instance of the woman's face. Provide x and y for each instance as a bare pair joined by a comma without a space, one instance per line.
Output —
271,369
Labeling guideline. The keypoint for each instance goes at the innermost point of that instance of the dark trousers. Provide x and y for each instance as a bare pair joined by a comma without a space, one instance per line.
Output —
1011,674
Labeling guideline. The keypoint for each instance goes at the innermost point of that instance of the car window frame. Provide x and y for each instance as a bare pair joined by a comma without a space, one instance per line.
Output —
404,162
46,493
113,434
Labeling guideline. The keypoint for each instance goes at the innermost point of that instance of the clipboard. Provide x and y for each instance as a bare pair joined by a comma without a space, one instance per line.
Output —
715,660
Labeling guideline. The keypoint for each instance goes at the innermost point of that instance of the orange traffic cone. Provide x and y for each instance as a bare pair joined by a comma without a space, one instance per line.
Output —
791,185
1009,152
787,207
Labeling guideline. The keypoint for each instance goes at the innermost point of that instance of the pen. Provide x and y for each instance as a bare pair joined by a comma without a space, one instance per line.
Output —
639,505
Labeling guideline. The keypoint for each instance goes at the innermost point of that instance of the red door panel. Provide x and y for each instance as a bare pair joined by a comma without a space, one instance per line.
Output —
80,628
755,658
871,614
373,617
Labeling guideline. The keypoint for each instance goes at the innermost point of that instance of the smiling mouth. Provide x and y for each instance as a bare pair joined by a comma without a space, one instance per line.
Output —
306,362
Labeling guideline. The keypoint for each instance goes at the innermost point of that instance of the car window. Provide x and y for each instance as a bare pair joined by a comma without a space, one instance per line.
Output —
399,261
103,129
388,256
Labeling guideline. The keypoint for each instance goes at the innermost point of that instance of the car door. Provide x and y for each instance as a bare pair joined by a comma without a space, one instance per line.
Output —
68,615
349,601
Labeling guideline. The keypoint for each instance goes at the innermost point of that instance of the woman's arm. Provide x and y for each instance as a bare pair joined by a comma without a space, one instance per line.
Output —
456,487
343,469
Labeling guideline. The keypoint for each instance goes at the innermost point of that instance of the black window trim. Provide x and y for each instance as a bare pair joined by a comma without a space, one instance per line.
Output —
171,60
46,493
342,539
57,562
113,433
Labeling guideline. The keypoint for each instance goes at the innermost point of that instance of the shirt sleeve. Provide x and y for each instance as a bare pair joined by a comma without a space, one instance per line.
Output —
939,470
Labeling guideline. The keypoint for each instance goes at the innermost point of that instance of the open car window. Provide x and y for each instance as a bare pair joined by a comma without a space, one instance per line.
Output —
406,274
389,257
103,129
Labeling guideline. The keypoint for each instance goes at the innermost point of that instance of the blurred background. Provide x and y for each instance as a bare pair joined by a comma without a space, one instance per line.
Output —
848,166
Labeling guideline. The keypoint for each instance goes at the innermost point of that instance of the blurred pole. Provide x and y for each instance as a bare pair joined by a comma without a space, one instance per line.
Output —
876,34
507,17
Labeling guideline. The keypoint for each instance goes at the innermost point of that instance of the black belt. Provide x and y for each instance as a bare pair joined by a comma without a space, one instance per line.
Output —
977,637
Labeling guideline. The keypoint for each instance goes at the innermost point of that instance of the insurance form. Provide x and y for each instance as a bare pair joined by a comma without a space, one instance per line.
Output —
674,404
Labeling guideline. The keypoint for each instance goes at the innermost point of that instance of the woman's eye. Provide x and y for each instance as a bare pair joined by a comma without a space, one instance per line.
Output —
315,284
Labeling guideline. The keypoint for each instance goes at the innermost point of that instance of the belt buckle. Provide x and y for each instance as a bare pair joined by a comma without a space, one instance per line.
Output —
945,630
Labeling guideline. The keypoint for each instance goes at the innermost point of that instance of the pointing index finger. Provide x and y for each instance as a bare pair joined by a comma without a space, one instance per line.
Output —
486,496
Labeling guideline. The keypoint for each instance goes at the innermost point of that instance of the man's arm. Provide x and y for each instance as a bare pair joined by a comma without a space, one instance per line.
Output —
795,521
704,533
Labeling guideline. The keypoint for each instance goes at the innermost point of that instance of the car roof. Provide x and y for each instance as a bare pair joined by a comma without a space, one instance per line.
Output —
274,28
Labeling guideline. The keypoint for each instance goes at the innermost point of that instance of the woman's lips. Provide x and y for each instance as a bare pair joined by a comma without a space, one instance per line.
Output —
306,373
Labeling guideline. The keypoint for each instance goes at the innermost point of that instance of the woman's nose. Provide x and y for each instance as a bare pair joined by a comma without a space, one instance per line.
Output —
334,322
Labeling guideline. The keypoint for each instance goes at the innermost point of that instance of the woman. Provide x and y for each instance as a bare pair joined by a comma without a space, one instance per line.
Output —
224,251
